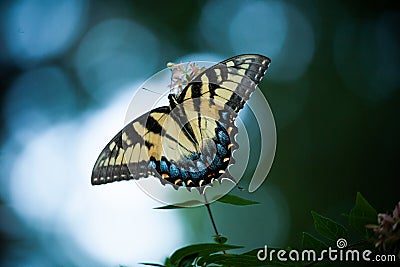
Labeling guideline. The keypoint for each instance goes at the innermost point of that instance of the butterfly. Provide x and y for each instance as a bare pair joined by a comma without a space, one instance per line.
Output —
189,142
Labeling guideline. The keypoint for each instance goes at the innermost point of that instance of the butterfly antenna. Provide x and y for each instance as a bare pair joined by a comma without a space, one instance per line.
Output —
151,91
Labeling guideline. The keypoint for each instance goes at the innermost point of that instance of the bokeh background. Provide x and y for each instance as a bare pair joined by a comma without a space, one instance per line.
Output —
68,70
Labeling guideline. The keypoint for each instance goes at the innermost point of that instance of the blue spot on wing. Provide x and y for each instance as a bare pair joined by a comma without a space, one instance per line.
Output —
223,137
221,151
217,163
184,174
163,166
193,173
201,165
173,171
202,172
152,165
224,115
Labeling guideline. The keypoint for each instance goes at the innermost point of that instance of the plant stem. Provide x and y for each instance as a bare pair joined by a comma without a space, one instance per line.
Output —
213,222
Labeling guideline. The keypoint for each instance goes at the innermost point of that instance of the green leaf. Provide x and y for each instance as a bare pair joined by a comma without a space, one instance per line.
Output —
362,214
188,260
328,228
181,205
199,250
167,262
228,199
235,200
151,264
232,260
168,207
311,242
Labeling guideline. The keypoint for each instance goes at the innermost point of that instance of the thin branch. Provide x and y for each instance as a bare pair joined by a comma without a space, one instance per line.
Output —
212,219
213,222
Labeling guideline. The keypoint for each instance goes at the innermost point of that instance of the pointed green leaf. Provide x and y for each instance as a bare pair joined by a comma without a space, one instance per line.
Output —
188,260
181,205
311,242
234,260
199,250
168,207
151,264
235,200
328,228
362,214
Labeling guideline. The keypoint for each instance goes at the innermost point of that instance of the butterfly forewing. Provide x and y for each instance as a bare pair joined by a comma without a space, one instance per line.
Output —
231,81
128,154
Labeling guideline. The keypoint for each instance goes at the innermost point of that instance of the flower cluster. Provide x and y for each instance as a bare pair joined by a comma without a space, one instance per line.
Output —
387,232
182,74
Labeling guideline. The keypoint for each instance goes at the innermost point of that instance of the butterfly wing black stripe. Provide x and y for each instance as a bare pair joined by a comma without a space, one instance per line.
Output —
238,75
105,166
254,66
126,156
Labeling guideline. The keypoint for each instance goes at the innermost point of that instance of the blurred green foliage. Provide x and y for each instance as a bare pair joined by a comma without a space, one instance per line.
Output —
332,142
360,216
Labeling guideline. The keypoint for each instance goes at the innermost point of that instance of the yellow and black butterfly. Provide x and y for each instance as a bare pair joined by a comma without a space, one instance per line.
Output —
190,142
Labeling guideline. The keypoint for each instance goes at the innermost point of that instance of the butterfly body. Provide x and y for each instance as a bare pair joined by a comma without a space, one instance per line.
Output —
189,142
